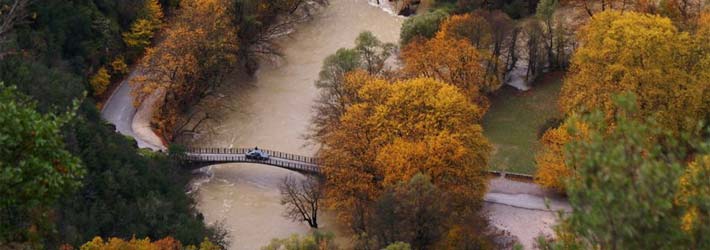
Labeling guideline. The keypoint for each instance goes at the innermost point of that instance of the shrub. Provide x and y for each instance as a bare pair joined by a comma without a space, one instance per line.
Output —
424,26
100,81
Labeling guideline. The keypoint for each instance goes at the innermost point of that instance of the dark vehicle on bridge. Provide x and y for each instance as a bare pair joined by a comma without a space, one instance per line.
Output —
256,154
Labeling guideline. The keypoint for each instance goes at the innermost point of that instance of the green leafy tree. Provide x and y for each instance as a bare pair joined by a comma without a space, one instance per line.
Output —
343,69
35,167
125,192
373,52
315,241
627,177
421,26
411,212
694,196
546,13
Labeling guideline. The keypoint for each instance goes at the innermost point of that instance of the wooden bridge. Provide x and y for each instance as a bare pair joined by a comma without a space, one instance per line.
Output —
201,157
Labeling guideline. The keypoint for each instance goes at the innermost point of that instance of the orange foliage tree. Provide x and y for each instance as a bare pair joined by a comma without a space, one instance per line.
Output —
474,28
398,129
455,61
552,170
196,51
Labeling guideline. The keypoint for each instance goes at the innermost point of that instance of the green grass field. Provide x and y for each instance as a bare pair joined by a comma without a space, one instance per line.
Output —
513,119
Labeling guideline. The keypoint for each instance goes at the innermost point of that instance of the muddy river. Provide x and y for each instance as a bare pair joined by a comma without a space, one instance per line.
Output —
273,111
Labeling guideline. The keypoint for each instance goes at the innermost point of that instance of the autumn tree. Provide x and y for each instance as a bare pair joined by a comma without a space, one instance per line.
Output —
196,53
171,66
343,73
167,243
612,68
503,37
552,169
35,167
100,81
149,20
477,30
119,67
645,55
472,27
683,12
374,136
447,158
302,199
139,36
455,61
591,7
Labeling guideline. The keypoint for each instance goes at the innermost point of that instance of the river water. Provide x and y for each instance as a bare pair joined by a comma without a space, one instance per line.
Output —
273,111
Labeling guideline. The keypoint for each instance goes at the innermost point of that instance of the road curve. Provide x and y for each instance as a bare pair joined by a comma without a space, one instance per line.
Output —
119,111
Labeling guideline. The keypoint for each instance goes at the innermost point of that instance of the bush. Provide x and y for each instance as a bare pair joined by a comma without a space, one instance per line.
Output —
100,81
315,241
551,123
424,26
119,67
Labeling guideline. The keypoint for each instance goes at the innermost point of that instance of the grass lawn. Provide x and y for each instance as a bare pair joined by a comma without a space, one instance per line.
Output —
513,119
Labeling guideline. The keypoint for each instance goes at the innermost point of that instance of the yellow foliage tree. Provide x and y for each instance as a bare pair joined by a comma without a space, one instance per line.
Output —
167,243
138,37
455,164
644,55
454,61
100,81
396,130
152,11
118,66
149,20
552,169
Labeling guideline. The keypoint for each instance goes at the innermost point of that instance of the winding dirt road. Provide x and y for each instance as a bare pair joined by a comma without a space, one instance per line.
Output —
119,111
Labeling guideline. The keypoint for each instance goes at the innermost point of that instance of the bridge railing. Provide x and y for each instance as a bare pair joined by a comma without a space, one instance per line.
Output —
217,157
272,153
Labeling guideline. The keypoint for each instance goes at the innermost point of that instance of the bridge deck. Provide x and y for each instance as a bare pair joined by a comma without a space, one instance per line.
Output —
208,156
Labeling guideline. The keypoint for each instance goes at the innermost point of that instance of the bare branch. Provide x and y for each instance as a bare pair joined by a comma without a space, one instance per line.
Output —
302,199
11,14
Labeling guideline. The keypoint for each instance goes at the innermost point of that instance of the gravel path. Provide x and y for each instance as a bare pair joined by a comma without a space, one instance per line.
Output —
523,209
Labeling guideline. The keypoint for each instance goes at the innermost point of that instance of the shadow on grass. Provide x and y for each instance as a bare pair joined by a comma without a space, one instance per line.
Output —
513,120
